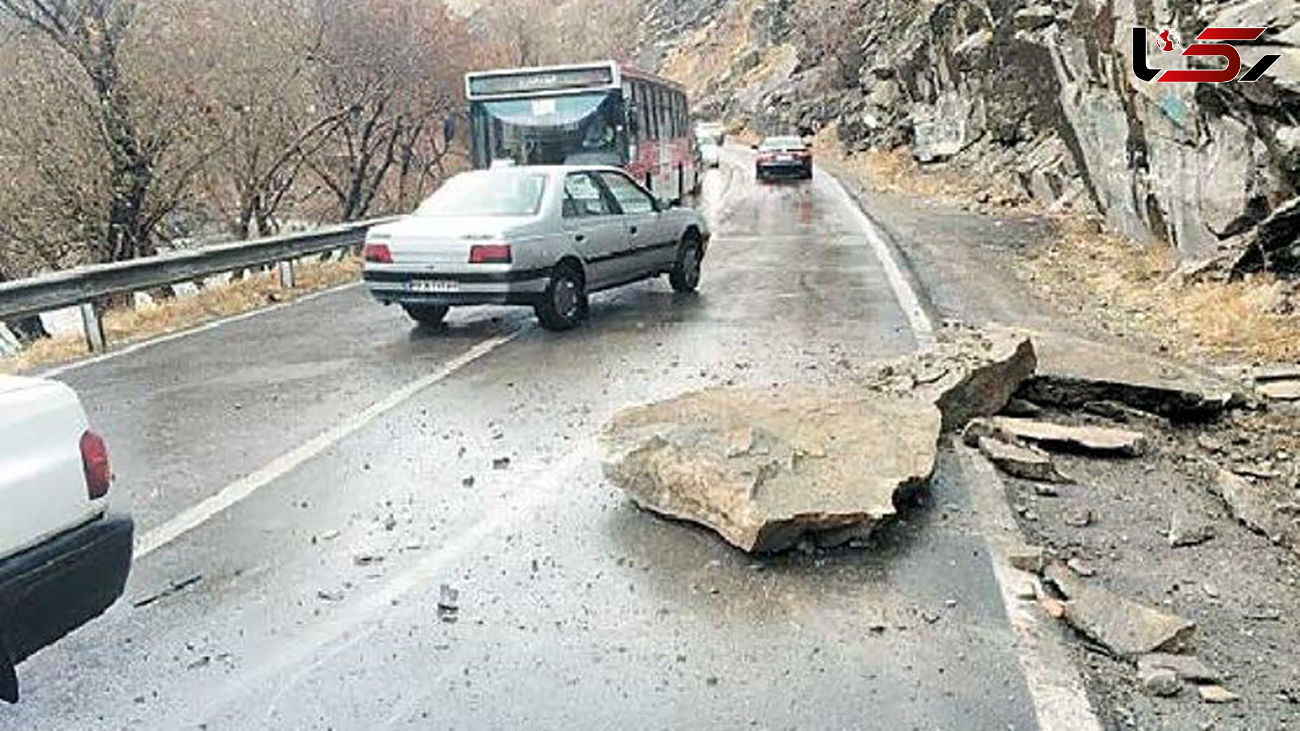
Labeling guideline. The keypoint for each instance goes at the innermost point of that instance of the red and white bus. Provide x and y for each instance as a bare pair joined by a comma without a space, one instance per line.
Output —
598,113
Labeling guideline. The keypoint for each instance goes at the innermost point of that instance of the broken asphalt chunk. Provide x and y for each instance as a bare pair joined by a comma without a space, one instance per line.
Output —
1123,627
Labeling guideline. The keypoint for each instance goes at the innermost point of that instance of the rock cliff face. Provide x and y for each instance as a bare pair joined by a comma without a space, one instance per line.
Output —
1041,97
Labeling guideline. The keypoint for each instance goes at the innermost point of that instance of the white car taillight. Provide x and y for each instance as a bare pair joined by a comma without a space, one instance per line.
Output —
94,461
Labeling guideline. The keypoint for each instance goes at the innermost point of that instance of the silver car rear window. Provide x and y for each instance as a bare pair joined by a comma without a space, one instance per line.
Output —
487,193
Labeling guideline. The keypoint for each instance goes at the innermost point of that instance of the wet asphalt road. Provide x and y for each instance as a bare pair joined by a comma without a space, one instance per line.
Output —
314,600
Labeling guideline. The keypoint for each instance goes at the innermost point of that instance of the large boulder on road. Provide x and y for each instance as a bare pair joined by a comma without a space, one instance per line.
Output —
766,468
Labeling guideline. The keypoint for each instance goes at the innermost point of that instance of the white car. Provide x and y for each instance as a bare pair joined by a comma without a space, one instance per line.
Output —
710,155
63,558
540,236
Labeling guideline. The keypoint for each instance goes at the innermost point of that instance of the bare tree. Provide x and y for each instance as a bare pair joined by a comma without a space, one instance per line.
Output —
391,67
92,33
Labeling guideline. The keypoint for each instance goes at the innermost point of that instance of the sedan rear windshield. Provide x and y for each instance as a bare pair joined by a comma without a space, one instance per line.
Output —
776,144
487,193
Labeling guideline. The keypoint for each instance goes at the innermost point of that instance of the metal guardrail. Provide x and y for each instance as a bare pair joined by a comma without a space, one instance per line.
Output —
84,286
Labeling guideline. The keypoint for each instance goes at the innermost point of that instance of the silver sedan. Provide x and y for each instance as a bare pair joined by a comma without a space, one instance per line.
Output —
544,237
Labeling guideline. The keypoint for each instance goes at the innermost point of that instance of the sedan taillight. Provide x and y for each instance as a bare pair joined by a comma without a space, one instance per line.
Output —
490,254
377,254
94,462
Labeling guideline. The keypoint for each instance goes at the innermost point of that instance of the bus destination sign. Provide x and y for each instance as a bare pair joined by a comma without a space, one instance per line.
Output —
528,82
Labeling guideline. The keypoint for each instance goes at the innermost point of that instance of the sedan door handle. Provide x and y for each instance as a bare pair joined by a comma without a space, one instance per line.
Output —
580,238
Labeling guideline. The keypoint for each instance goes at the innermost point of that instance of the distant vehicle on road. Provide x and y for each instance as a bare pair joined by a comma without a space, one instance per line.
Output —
715,131
604,113
544,236
710,154
783,157
63,559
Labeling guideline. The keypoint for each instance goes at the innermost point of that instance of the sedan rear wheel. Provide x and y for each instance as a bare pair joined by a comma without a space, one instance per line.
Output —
426,314
564,304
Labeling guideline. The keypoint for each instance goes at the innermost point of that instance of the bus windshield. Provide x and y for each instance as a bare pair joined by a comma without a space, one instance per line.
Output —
554,130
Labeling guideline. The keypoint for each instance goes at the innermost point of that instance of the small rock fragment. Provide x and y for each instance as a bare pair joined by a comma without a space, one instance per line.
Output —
1090,439
448,603
1189,530
1054,608
1026,591
1079,567
1027,558
1280,390
467,481
1160,682
1124,627
1020,461
501,463
1187,667
1217,694
1080,517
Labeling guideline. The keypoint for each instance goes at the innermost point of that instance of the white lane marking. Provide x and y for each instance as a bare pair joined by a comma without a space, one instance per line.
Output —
1060,701
150,342
334,635
922,326
240,489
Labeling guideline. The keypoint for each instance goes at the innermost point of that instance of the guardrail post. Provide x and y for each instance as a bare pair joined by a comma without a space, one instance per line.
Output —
286,273
93,327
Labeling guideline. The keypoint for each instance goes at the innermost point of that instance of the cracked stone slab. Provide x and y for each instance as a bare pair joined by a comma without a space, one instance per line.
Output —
1091,439
766,468
1124,627
1073,371
1260,508
1020,461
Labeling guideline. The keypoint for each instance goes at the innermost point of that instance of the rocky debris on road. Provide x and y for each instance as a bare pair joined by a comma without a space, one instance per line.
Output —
766,468
1121,626
174,587
1188,668
1032,559
448,603
1288,390
1160,682
1021,461
1217,694
1260,507
1074,372
1186,529
1094,440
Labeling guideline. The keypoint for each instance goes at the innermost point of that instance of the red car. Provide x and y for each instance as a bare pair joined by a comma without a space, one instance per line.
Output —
783,157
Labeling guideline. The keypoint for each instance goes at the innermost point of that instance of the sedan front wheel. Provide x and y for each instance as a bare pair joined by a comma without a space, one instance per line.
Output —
685,276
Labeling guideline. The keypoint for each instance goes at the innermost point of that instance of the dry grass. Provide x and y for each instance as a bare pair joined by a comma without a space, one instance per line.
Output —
1133,288
894,171
1126,286
126,325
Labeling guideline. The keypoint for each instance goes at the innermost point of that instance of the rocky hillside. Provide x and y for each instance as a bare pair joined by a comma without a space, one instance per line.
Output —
1036,97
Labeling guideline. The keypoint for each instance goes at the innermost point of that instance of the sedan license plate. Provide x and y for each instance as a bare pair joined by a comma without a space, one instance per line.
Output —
432,285
785,158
